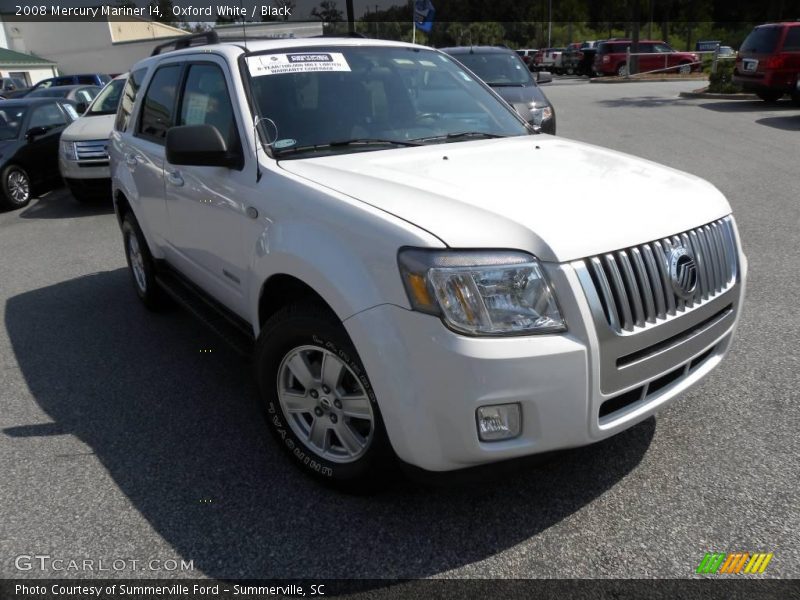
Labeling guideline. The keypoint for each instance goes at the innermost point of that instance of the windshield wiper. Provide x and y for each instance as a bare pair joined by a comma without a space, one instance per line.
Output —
460,135
353,142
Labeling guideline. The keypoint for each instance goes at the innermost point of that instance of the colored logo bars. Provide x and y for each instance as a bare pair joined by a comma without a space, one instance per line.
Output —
735,562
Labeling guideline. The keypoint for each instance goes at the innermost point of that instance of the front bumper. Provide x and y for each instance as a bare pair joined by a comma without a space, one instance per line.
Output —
76,169
429,380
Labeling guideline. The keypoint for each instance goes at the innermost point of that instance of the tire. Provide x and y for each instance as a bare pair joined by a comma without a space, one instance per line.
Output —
306,409
17,189
622,70
769,95
796,98
684,68
141,265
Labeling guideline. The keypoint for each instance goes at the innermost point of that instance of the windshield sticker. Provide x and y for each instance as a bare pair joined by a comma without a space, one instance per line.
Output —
71,111
285,143
296,62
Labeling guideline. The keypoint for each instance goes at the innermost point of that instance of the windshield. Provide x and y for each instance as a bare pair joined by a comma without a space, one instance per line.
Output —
761,40
308,99
497,68
11,118
54,92
108,99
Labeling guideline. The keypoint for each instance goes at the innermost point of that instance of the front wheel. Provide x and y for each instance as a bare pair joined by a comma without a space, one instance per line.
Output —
318,400
684,68
622,70
16,187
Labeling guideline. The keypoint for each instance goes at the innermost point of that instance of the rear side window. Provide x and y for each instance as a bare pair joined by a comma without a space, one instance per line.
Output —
127,99
159,104
792,42
761,40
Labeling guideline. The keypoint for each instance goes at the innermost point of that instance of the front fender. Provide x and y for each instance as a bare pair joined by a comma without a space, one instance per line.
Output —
345,252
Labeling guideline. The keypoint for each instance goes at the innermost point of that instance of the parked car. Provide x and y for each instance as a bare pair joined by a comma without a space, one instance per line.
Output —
80,95
11,84
570,58
726,52
83,155
578,58
768,62
97,79
527,54
29,132
417,274
548,59
611,58
507,75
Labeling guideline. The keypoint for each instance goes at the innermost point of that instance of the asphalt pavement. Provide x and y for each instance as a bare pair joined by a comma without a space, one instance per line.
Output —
123,438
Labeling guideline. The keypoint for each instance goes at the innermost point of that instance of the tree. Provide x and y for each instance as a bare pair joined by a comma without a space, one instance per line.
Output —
327,12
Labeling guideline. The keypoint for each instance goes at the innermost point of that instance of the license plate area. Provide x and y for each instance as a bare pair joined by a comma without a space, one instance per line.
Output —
749,65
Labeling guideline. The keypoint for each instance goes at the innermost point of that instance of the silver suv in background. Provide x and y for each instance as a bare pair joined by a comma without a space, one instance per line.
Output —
359,217
83,154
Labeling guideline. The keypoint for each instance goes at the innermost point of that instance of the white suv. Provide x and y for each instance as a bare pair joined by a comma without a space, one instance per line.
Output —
363,212
83,156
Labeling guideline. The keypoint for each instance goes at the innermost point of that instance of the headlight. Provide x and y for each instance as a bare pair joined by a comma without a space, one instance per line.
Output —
541,114
480,292
68,150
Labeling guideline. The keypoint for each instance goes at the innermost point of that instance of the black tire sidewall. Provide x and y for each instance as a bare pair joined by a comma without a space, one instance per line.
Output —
7,196
150,296
309,326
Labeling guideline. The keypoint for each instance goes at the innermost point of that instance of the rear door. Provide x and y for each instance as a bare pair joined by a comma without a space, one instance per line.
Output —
143,155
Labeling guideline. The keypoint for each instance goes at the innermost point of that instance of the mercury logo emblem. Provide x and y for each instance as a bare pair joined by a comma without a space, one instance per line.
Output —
682,272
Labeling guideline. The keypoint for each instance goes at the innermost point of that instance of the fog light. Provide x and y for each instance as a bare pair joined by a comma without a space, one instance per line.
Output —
499,422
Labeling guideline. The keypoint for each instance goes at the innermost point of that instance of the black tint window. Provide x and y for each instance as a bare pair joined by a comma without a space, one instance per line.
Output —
761,41
48,116
159,102
206,101
792,39
127,99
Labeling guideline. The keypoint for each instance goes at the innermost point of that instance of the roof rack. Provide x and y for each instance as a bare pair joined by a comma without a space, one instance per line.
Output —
186,41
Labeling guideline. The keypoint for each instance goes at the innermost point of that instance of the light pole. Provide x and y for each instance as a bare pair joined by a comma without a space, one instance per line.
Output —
549,21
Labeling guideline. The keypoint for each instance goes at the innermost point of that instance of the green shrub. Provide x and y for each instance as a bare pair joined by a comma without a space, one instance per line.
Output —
721,82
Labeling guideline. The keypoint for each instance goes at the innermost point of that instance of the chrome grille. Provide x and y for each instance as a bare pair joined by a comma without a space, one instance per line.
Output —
634,284
92,150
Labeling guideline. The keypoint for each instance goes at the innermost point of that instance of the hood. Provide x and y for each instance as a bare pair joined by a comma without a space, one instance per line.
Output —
90,128
558,199
519,95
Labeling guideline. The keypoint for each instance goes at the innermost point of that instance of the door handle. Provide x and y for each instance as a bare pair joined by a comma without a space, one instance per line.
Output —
174,178
131,160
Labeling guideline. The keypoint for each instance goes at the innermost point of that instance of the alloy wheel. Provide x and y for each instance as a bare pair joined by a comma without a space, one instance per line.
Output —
325,404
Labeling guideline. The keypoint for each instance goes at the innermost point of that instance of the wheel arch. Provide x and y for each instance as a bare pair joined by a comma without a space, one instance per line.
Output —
281,289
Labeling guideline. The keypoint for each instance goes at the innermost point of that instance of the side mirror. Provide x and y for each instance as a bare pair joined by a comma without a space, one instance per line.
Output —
81,107
35,132
199,145
544,77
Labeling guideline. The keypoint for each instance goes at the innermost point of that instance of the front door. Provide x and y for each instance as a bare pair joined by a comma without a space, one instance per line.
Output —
206,205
